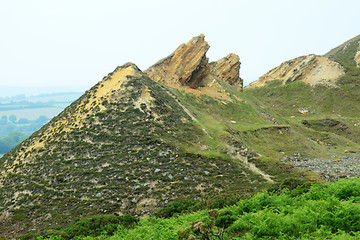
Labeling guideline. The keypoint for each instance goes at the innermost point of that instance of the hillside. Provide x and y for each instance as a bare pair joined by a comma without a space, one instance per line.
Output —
182,130
309,69
313,69
128,144
327,114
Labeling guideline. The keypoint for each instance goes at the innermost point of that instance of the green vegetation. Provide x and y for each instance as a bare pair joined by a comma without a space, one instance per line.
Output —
10,141
292,209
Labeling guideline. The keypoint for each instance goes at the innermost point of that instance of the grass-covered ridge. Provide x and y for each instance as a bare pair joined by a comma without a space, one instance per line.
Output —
290,210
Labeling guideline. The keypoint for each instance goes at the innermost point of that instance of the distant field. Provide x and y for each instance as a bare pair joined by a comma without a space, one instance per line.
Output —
32,107
33,114
1,155
21,115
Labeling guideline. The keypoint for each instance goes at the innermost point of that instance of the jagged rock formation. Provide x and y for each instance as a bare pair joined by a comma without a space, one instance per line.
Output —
187,65
227,69
310,69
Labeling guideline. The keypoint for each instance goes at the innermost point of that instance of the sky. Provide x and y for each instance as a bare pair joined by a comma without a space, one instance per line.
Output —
70,45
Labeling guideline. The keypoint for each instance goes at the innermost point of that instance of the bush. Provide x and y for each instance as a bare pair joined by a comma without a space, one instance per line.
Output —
98,225
176,207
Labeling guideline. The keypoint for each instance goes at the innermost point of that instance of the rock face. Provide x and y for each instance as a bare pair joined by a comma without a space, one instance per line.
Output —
187,65
228,70
311,69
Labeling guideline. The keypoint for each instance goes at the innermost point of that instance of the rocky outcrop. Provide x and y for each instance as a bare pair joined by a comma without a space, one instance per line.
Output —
310,69
228,70
187,65
357,57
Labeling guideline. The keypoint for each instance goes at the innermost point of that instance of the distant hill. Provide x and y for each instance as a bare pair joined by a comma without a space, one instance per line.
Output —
314,69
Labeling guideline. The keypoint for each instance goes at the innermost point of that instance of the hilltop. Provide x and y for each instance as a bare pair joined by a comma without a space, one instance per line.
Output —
313,69
182,130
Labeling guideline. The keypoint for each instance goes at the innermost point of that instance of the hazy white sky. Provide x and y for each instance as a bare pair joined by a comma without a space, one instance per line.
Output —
74,43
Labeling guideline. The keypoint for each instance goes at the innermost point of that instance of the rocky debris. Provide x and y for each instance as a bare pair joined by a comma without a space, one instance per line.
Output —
310,69
228,70
187,65
267,116
238,147
303,111
343,167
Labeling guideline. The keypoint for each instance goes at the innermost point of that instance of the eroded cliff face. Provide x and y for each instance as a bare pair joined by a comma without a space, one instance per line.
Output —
310,69
187,65
228,70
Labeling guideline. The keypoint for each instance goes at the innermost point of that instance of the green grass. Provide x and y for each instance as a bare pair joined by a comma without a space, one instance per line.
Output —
290,210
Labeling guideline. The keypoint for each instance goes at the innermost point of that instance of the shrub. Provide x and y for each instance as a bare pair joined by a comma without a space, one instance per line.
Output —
176,207
98,225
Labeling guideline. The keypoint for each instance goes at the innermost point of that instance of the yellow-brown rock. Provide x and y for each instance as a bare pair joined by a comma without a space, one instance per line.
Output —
310,69
357,58
187,65
227,69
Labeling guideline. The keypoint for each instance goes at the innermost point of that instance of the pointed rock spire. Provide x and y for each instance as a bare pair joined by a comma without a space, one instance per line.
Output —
187,65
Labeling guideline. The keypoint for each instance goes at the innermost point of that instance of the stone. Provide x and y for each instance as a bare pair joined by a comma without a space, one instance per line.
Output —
357,58
303,111
187,65
228,70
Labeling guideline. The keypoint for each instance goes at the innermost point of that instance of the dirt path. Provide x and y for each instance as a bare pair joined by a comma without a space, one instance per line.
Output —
252,167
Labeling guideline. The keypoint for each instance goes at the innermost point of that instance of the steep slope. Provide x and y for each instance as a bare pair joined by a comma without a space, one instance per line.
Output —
349,49
128,144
